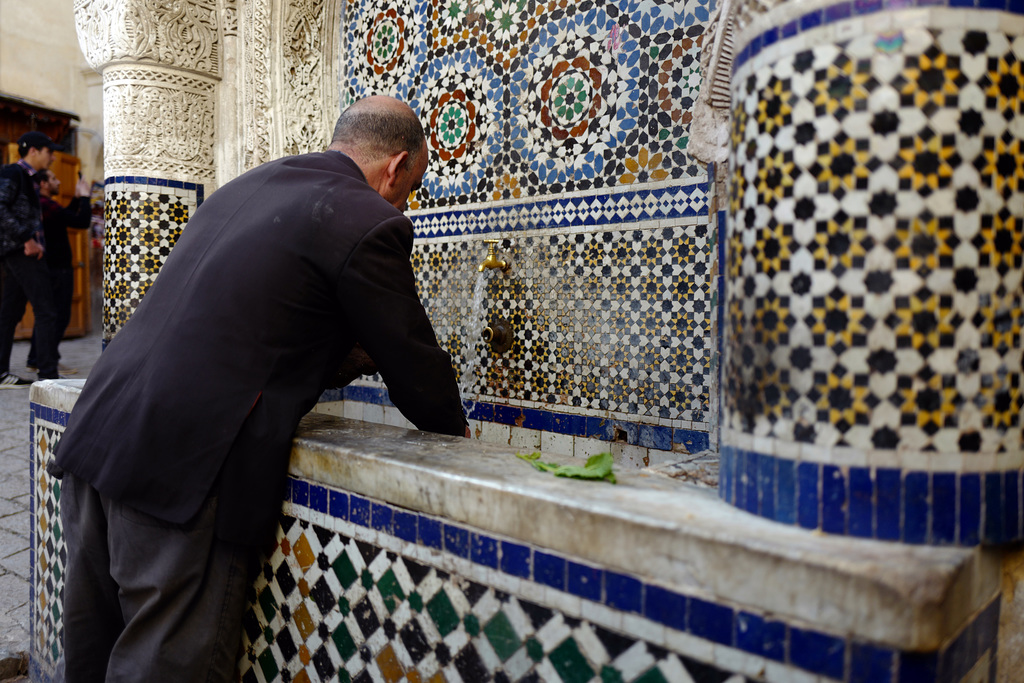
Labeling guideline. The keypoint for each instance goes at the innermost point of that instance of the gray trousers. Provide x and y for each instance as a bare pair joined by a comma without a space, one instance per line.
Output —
144,599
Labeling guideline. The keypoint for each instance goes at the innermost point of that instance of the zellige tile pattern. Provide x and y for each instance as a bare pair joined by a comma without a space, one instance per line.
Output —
144,218
874,270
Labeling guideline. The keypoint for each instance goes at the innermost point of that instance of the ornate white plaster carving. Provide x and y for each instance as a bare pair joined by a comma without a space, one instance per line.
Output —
746,12
254,28
229,17
308,102
284,86
709,128
289,76
159,122
181,33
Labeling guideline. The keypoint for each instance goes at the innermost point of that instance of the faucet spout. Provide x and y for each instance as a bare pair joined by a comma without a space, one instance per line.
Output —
492,260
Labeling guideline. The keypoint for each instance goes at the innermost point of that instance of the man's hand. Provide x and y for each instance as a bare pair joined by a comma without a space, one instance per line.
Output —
32,248
83,188
357,363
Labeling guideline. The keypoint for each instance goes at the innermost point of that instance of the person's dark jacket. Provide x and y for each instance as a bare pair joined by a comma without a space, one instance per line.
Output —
274,279
56,221
19,208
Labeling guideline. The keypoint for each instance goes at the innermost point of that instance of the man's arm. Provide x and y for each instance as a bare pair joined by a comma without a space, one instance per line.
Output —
355,365
80,208
77,214
377,290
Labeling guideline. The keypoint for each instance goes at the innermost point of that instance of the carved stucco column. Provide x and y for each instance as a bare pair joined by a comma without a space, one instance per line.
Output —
288,81
195,93
873,379
160,61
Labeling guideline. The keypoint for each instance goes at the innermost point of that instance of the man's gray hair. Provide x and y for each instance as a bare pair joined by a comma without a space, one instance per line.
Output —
379,131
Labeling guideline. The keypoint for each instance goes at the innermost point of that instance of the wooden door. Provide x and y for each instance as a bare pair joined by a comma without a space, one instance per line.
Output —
66,168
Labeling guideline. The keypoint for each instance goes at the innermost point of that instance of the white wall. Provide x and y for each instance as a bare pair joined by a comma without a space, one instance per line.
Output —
40,60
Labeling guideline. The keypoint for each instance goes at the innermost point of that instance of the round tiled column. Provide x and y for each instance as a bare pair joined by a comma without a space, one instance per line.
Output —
872,377
160,72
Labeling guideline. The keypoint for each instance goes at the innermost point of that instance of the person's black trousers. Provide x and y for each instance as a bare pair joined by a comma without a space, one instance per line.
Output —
63,282
27,280
147,600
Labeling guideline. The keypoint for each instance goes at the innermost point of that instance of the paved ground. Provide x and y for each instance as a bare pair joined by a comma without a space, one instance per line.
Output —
15,586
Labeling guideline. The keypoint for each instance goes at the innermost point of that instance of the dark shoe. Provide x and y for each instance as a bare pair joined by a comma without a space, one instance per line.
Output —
9,381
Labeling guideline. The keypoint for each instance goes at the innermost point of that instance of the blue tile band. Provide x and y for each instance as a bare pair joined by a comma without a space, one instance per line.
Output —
933,508
841,658
842,11
611,208
158,182
657,437
41,412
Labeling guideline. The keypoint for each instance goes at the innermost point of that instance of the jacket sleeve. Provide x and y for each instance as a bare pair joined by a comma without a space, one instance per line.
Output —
377,291
14,231
78,213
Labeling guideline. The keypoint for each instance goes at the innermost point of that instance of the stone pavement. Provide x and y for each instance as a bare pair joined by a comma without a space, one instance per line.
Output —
15,577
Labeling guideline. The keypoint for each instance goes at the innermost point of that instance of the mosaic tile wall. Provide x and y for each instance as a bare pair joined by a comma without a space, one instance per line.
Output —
357,589
874,269
144,218
526,98
561,128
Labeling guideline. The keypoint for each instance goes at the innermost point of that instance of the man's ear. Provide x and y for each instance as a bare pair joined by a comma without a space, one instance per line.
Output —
395,166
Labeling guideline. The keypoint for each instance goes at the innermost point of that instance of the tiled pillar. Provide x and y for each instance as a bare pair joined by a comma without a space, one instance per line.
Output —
872,381
160,69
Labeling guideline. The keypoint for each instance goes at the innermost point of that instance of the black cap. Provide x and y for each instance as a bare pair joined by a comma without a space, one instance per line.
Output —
37,140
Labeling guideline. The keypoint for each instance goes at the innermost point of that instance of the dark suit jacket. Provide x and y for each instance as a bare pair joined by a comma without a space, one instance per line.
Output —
274,279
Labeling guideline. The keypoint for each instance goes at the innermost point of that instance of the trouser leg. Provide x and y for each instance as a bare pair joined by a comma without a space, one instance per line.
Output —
33,279
63,293
12,309
181,592
63,281
92,611
182,595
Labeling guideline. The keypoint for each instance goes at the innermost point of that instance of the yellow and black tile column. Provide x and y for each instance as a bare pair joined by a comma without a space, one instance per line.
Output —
144,218
872,379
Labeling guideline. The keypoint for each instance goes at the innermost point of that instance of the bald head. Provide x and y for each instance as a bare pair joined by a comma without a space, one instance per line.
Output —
378,127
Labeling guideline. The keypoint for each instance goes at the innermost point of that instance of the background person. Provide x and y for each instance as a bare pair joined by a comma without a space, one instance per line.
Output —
175,456
56,221
26,278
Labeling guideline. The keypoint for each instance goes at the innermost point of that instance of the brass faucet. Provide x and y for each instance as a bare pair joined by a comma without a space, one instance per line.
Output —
492,260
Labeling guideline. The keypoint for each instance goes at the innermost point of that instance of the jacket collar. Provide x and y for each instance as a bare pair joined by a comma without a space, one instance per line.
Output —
348,161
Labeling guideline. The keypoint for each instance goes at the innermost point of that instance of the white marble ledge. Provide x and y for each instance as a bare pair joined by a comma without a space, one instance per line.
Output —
662,530
657,528
56,393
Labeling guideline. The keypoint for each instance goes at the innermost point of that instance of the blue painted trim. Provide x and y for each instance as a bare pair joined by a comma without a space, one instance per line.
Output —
33,408
657,437
36,671
933,508
723,225
841,11
54,415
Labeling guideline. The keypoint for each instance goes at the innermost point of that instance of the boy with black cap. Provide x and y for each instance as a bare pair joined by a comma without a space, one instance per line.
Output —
25,275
